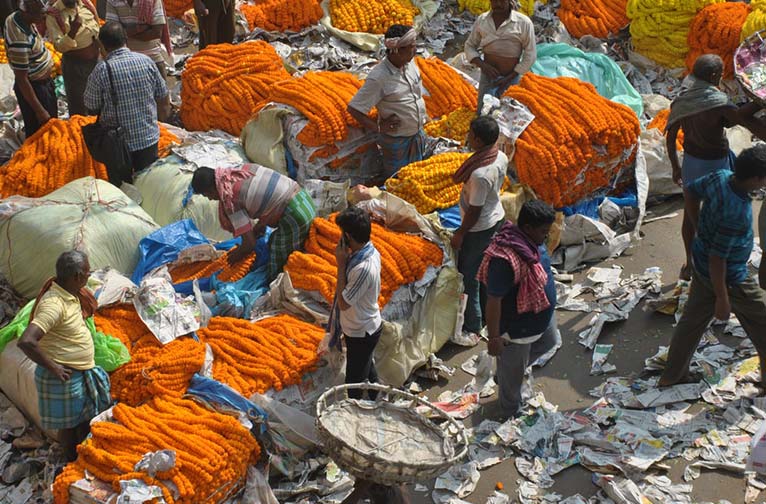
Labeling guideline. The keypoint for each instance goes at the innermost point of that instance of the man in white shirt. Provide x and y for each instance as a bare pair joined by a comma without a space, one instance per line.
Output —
482,176
395,88
357,294
502,44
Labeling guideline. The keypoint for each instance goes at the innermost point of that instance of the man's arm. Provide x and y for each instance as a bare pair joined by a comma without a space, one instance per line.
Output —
62,41
744,116
471,50
341,259
762,272
670,143
245,248
164,108
692,204
492,315
366,121
29,344
470,219
529,56
25,86
717,267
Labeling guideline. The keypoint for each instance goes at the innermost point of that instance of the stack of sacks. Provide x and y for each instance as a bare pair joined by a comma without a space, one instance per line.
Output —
660,28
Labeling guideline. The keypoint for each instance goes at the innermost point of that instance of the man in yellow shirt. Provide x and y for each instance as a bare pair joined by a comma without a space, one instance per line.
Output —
71,389
72,26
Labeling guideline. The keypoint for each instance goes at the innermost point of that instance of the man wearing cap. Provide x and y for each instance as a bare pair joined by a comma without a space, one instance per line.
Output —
394,86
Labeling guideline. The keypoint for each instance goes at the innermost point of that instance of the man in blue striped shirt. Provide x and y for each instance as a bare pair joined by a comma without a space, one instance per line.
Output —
32,65
720,252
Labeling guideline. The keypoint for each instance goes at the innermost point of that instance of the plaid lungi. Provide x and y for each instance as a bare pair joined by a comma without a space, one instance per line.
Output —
292,230
398,152
64,405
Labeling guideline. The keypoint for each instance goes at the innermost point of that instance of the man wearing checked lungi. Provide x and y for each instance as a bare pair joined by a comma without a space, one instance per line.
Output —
71,389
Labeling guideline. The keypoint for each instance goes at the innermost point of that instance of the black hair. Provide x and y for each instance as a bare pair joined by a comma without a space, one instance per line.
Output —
397,30
203,180
751,163
536,213
112,36
70,264
355,222
706,66
485,128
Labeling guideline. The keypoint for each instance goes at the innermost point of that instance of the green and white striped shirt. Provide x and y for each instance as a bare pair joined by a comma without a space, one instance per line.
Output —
25,48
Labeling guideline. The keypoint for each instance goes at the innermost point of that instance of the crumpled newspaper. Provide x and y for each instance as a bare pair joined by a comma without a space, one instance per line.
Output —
168,315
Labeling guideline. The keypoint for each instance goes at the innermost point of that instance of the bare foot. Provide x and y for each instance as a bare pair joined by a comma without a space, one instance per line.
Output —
687,378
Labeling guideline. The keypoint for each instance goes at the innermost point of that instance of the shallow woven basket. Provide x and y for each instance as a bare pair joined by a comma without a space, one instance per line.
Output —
753,47
369,466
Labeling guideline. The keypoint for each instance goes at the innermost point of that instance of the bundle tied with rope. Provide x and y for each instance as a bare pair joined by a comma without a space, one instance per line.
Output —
87,214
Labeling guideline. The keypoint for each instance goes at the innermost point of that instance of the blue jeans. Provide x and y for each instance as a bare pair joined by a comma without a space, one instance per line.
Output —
469,260
487,86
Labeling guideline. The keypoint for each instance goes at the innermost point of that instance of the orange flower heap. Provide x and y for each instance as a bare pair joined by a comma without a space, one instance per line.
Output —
177,8
404,259
599,18
222,85
578,142
716,30
282,15
213,451
454,125
428,184
660,122
54,156
371,16
253,357
323,98
447,89
203,269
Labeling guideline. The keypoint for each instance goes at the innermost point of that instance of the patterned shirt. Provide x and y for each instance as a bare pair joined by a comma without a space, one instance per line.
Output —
138,85
85,36
26,49
515,38
126,14
725,227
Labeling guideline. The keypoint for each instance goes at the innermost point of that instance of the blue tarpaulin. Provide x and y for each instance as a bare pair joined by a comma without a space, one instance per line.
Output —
450,217
215,392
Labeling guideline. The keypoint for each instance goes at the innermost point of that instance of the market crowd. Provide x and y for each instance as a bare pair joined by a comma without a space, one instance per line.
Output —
118,71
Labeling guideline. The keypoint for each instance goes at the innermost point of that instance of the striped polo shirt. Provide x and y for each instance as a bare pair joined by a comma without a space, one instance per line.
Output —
26,49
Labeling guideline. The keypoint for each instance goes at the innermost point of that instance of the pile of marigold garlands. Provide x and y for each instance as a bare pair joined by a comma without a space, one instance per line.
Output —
222,85
454,125
599,18
54,156
55,55
203,269
371,16
578,142
447,89
282,15
404,259
716,29
213,451
659,28
428,184
177,8
660,122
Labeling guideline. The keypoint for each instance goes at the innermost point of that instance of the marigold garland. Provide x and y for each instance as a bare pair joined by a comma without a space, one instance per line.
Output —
213,451
177,8
476,7
454,125
660,122
599,18
253,357
659,28
204,269
55,55
404,259
223,84
578,142
756,20
447,89
282,15
54,156
371,16
428,184
716,30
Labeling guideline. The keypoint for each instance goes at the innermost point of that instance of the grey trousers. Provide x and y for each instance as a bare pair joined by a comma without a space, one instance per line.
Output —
76,72
748,303
512,365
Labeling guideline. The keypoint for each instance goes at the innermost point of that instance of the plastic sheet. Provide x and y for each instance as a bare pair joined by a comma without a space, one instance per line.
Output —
227,398
164,245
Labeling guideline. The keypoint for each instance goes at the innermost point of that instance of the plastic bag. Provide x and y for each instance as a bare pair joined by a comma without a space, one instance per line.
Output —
110,352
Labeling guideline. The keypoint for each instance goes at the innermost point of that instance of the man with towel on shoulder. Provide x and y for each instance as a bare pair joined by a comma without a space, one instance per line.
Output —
703,112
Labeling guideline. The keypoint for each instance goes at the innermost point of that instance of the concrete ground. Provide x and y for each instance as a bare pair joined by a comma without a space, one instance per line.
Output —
565,380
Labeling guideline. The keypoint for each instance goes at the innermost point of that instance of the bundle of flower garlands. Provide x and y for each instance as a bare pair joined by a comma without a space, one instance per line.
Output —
660,122
154,369
222,85
213,451
428,184
447,89
202,269
282,15
404,259
54,156
454,125
371,16
177,8
599,18
254,357
756,20
659,28
578,142
55,55
322,97
716,30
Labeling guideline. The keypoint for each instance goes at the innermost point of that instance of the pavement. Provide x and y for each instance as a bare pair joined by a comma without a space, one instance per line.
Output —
565,380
